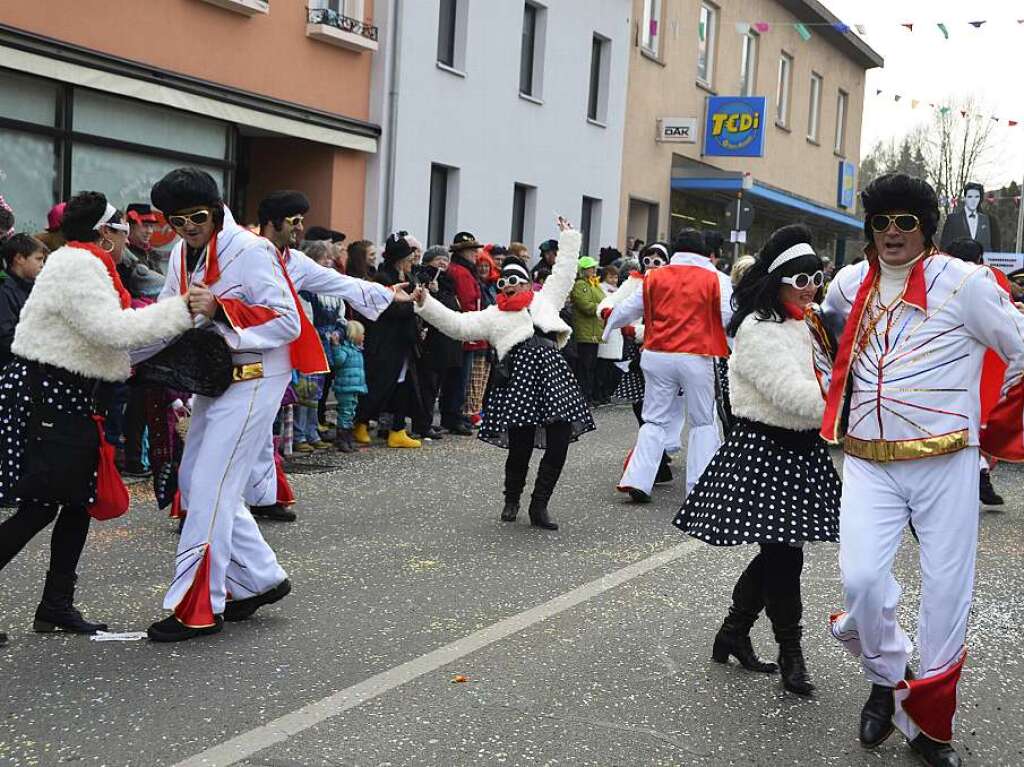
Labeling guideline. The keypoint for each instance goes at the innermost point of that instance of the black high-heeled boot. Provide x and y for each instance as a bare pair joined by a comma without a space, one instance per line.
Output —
56,611
539,516
511,510
792,667
733,638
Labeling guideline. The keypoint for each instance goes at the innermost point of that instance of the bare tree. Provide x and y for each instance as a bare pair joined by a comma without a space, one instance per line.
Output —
958,140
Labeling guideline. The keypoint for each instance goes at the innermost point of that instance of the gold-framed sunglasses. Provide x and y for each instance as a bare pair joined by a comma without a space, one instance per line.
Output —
294,220
196,218
905,222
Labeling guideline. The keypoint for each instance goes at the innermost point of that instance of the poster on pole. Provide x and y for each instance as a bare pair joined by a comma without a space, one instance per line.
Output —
734,126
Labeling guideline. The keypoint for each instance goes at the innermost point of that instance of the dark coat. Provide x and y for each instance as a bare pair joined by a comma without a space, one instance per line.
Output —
13,295
957,228
438,351
390,343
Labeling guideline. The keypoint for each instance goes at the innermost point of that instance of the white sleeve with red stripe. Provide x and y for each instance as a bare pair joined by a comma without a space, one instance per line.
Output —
367,298
264,316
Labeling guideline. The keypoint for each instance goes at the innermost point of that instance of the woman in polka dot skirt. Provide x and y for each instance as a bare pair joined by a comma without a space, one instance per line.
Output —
533,399
773,482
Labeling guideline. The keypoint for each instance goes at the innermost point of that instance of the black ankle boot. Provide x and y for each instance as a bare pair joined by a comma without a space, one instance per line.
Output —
986,493
934,753
734,639
511,510
876,717
56,611
539,515
792,667
343,441
3,638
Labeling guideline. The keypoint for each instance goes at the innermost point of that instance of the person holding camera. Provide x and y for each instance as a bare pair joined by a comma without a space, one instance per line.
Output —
70,346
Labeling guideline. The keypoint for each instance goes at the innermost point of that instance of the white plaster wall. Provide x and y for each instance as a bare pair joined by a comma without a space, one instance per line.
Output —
479,124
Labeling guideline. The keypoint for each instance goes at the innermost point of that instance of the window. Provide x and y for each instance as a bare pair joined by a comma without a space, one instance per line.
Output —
590,223
650,26
531,55
523,200
814,108
782,89
706,43
437,224
446,30
841,103
600,64
748,64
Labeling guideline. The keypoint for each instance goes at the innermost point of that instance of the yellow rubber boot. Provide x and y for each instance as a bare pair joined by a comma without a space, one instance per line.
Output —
401,439
361,434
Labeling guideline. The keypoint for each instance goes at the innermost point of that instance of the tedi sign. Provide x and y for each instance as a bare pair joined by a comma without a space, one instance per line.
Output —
679,130
734,126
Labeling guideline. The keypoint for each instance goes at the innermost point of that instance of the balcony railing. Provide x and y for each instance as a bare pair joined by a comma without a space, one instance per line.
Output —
344,23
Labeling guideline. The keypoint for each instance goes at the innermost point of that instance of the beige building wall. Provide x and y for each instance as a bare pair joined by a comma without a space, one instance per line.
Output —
667,86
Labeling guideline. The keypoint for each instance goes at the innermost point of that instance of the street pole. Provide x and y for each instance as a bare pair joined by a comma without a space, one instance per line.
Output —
736,223
1020,218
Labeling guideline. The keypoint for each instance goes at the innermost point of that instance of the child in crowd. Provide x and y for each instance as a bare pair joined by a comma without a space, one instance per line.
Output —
23,258
349,380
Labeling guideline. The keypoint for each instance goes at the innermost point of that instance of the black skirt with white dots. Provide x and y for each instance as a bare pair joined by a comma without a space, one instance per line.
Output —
765,485
16,409
540,390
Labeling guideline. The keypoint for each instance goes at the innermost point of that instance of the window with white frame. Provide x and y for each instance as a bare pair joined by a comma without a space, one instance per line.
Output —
447,33
600,72
650,30
748,64
782,89
590,224
842,101
531,54
440,204
706,32
523,205
814,107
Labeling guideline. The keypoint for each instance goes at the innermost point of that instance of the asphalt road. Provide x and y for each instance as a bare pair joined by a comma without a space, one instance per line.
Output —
400,554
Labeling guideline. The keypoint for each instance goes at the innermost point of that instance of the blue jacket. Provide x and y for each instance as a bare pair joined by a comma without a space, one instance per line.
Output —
349,374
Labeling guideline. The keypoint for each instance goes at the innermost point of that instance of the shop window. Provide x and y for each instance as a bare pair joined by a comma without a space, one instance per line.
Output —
600,71
748,64
707,32
590,224
782,90
28,99
842,100
814,108
531,54
650,27
28,177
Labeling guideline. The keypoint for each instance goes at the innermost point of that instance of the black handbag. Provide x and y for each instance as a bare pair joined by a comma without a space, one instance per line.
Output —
63,449
199,362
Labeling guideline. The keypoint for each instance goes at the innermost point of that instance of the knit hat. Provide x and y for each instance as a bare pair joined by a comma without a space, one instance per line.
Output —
513,266
184,188
281,204
549,245
434,252
414,243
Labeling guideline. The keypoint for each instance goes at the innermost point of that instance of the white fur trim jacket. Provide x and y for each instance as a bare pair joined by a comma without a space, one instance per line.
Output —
73,319
503,330
771,375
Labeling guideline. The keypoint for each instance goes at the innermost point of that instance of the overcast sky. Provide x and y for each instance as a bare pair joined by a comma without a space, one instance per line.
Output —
986,62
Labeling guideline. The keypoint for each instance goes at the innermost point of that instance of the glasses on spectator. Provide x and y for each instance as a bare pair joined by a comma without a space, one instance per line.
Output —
197,218
801,281
294,220
118,227
905,222
511,281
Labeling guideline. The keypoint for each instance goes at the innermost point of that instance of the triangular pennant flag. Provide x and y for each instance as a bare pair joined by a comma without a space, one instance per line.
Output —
931,105
804,32
995,119
861,29
976,24
763,26
742,28
1012,123
839,26
908,26
878,91
898,97
944,110
943,30
963,113
914,103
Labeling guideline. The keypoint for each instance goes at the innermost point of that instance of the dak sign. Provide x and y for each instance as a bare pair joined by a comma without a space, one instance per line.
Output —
735,126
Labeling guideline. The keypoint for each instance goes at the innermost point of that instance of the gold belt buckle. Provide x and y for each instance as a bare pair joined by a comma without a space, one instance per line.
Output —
248,372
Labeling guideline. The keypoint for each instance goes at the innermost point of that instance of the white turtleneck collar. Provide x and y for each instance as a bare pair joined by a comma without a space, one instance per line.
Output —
894,278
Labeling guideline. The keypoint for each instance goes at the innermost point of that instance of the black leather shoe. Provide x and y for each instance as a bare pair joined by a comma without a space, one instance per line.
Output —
510,512
242,609
274,511
460,430
170,629
638,496
876,717
739,646
539,516
986,493
933,753
57,611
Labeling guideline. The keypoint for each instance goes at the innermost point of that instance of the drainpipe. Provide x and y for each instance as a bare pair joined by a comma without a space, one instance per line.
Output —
391,122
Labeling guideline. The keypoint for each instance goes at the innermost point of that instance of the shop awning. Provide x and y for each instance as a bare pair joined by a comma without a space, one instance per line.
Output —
767,194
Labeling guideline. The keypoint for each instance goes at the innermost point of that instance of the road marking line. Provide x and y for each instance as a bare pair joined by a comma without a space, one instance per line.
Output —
279,730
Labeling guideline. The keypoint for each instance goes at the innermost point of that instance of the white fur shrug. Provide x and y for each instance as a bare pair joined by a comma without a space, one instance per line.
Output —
73,319
503,330
771,375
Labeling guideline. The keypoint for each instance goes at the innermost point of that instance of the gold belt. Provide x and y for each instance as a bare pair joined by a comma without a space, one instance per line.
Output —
883,450
247,372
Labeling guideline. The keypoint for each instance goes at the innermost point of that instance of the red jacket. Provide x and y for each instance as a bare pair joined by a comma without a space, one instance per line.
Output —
467,290
682,311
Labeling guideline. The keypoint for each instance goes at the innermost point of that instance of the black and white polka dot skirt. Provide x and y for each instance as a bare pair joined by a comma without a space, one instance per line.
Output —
631,385
765,485
15,410
541,389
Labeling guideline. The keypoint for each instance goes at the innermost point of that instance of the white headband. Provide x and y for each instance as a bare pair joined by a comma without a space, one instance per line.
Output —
107,215
517,269
658,246
793,251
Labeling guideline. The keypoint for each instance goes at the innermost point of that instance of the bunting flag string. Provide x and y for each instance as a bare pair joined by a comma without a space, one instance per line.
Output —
945,110
804,28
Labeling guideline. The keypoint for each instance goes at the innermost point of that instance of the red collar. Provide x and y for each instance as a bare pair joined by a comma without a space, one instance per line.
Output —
516,302
108,261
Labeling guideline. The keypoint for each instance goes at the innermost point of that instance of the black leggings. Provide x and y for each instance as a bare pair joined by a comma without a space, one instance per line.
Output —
66,541
772,582
520,447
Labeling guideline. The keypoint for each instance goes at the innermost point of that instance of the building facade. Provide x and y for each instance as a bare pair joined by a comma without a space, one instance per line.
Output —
683,54
497,115
111,95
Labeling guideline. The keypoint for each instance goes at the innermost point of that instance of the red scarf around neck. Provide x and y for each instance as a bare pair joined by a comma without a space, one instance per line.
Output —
515,302
108,261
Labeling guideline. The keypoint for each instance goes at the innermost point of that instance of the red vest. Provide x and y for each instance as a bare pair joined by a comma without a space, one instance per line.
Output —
683,311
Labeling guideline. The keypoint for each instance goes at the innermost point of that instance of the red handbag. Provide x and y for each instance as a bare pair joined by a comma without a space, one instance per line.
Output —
111,494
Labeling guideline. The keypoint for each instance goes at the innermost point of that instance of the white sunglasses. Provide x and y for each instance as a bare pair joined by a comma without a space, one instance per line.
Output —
513,280
801,281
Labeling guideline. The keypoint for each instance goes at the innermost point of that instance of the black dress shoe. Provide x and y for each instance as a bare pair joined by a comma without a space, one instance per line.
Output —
639,496
242,609
274,511
876,717
170,629
986,493
933,753
460,430
510,512
434,433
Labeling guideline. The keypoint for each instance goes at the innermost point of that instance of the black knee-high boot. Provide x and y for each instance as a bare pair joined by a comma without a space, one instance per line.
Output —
556,448
733,638
784,607
517,464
